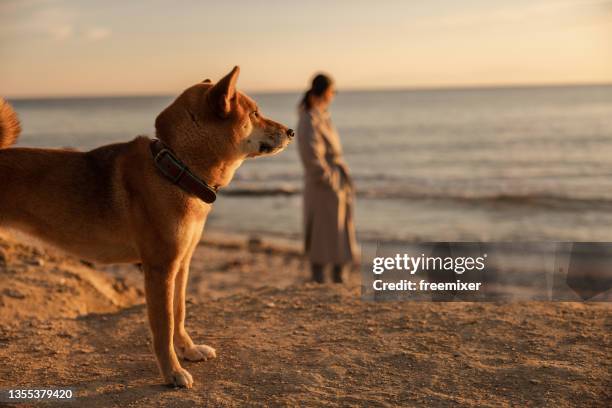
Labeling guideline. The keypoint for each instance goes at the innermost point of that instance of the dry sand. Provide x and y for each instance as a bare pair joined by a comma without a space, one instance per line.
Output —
283,342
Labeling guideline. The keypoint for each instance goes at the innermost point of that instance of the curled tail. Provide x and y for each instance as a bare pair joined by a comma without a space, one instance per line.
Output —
9,125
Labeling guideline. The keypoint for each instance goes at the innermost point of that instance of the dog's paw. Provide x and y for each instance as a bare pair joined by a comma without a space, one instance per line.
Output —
197,352
179,378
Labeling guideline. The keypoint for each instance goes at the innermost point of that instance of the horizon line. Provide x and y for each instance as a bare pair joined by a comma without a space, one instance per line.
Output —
342,90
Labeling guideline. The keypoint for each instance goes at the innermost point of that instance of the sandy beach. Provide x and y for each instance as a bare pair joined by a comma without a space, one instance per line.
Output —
281,341
458,155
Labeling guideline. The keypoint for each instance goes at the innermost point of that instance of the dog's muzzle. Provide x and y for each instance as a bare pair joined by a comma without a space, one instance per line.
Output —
279,142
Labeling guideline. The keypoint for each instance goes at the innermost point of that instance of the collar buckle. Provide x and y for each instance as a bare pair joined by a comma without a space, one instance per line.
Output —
160,155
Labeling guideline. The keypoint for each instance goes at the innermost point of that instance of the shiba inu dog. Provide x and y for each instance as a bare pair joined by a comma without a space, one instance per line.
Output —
144,201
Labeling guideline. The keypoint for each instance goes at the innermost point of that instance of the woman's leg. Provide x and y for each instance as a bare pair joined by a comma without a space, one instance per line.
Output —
338,273
317,273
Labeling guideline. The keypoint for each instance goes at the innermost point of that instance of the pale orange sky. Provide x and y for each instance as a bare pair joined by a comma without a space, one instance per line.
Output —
61,47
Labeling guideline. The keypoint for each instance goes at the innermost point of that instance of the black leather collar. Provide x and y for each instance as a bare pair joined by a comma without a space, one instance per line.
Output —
178,173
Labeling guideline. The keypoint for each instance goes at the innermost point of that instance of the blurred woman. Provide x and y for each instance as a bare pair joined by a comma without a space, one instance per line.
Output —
329,233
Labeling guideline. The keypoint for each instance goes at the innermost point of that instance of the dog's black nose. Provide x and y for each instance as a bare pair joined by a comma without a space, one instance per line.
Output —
290,133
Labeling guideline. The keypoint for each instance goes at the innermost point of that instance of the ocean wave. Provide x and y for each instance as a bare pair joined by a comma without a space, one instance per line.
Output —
262,191
541,199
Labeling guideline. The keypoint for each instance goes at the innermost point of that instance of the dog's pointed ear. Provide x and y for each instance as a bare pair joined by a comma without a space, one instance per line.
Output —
220,96
207,81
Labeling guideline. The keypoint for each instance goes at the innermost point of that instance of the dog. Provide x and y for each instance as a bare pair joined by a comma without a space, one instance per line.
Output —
144,201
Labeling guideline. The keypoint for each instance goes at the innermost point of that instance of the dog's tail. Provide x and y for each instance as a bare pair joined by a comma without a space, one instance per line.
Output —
9,125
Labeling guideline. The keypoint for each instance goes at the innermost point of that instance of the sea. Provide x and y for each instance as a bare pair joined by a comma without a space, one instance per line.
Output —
509,164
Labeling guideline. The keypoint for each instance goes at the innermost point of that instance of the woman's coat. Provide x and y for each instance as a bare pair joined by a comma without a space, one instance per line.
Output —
329,232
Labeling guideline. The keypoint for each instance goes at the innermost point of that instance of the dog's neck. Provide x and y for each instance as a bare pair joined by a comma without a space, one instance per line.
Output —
217,175
213,162
209,168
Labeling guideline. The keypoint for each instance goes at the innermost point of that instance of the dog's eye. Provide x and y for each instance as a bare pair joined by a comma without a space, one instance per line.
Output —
255,114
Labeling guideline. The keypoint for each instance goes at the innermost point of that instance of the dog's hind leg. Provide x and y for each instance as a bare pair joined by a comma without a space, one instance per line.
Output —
185,348
159,289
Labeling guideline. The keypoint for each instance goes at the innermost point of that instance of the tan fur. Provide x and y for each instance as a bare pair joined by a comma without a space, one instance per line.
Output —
9,125
110,205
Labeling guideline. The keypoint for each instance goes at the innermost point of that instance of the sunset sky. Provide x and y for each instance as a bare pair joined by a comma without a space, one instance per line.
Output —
58,47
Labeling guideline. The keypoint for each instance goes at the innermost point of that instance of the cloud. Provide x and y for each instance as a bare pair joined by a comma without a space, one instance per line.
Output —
25,19
10,6
47,19
66,31
97,33
61,32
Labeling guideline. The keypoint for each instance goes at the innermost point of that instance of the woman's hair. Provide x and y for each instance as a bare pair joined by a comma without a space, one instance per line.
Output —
320,84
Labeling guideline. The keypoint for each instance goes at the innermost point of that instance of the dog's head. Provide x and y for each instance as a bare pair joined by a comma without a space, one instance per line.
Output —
211,125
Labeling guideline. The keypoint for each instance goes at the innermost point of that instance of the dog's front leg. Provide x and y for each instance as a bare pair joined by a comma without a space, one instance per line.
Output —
159,288
185,347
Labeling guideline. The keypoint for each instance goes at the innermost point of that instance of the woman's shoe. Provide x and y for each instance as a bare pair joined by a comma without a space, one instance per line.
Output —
317,273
